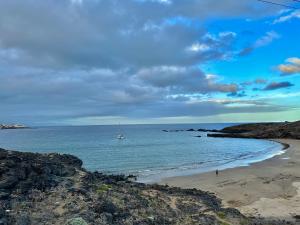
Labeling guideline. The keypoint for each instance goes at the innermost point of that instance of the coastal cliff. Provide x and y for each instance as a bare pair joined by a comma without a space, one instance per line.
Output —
55,189
261,130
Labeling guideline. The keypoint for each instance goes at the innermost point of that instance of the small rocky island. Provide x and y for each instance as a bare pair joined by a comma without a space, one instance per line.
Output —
54,189
12,126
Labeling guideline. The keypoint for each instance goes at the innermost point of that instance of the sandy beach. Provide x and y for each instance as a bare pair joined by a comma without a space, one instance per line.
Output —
270,188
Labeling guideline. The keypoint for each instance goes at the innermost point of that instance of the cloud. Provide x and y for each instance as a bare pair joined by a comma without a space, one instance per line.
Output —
285,18
292,67
256,81
112,33
265,40
198,47
237,94
277,85
182,80
90,58
212,46
260,81
247,83
57,95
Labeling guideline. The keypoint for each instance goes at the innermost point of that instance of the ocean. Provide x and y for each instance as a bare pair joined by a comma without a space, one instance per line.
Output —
147,151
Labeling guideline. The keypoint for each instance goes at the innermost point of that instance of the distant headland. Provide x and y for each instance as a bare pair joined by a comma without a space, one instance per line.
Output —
261,131
288,130
12,126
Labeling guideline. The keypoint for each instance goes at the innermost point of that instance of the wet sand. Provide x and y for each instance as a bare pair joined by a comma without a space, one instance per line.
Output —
270,188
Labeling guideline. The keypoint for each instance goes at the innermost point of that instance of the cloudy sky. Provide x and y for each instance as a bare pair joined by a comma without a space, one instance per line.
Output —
148,61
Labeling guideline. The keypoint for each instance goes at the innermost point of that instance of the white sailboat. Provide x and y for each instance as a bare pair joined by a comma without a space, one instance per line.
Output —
120,136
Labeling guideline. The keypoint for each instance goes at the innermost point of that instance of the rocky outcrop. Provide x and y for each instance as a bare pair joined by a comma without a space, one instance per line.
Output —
192,130
14,126
55,189
26,171
261,130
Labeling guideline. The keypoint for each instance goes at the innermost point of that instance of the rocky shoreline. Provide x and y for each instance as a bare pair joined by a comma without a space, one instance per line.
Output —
261,131
192,130
55,189
252,130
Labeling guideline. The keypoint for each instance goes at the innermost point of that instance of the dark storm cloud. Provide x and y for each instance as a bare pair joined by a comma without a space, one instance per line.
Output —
66,59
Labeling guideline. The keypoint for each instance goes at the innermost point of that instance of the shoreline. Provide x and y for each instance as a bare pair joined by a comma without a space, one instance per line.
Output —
268,188
286,146
159,178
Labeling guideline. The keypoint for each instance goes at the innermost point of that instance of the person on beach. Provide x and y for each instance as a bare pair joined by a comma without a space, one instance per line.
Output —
217,172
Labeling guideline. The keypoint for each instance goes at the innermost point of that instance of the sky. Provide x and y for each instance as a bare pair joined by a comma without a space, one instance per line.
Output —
82,62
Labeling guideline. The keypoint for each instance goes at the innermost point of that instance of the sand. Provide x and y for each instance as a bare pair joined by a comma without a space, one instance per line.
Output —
270,188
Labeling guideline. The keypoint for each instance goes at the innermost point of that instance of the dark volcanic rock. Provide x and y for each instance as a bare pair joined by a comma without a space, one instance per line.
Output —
53,189
261,130
190,130
25,171
15,126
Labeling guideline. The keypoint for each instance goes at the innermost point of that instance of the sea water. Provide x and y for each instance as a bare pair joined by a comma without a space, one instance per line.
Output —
147,151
